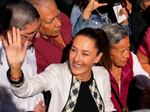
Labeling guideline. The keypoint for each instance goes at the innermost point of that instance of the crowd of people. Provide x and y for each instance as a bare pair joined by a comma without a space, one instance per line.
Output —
83,60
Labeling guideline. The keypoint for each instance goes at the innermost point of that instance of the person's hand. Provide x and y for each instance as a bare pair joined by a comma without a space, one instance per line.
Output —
124,11
92,5
40,107
14,50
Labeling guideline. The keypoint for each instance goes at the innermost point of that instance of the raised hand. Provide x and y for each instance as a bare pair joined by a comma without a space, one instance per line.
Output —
124,11
14,50
92,5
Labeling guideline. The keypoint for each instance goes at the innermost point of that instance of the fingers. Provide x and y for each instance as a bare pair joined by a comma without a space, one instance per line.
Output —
14,35
40,107
97,4
5,43
25,45
9,38
18,38
123,11
103,4
41,103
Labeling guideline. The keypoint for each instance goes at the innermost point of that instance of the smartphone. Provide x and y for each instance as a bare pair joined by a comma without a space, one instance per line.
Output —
120,18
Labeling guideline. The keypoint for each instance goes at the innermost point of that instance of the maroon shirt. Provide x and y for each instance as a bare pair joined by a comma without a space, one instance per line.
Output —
46,51
126,77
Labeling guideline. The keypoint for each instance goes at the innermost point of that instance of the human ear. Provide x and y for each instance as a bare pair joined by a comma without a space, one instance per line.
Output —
98,57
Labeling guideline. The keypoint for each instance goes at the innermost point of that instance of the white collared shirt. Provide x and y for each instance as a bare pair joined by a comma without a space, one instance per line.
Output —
29,68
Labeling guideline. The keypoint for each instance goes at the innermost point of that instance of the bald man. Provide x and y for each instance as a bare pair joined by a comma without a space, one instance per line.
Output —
55,33
54,36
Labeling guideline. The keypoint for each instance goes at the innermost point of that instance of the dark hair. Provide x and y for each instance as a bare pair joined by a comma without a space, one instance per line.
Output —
140,3
101,43
23,13
5,16
6,103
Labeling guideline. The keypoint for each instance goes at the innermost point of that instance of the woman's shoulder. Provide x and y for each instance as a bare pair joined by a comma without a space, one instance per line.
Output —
58,66
100,71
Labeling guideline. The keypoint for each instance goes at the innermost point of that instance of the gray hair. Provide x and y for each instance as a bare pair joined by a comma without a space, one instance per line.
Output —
115,32
23,13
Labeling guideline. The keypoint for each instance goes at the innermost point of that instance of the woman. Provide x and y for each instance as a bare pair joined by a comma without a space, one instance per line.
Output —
124,65
77,85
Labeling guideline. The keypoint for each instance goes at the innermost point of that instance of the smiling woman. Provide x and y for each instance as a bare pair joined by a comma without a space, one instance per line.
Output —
79,74
87,49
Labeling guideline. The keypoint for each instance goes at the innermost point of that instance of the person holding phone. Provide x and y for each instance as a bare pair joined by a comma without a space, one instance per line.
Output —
95,14
83,15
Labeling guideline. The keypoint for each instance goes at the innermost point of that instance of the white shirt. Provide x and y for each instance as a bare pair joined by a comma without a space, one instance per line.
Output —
137,67
29,68
57,79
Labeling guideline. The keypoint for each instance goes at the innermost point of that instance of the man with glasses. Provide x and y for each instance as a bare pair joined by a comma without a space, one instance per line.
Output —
25,17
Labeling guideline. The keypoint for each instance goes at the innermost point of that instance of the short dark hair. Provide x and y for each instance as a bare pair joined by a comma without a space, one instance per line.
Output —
101,43
5,16
23,13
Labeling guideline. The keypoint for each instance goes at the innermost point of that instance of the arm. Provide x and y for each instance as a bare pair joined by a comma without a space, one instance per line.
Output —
75,13
84,19
92,5
144,51
137,68
15,53
40,107
144,60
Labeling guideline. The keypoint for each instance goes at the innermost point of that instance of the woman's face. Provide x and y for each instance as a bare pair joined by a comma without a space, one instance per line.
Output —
145,4
119,52
83,55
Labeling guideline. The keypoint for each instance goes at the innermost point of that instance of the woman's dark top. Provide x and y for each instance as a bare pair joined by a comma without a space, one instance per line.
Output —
85,100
